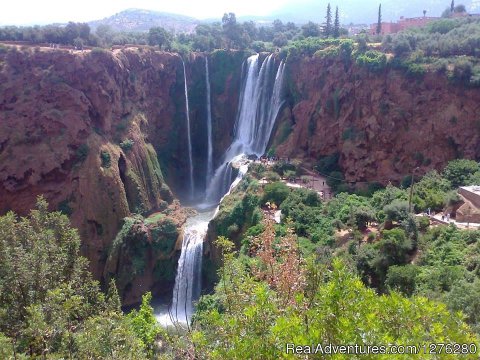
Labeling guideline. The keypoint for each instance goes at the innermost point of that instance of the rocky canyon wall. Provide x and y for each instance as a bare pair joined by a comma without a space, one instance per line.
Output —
102,136
382,124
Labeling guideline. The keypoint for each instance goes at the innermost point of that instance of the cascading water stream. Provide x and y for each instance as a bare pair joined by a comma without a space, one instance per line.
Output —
189,137
260,102
188,280
209,172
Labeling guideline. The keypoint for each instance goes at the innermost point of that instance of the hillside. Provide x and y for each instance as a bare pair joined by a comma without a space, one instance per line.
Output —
143,20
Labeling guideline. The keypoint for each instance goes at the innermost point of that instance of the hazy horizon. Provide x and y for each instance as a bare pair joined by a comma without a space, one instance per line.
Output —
53,11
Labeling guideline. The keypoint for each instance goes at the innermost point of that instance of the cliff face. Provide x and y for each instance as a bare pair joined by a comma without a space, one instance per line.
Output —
84,131
100,134
383,125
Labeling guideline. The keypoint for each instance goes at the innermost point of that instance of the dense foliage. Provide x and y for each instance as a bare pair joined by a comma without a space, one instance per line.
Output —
49,304
263,304
380,243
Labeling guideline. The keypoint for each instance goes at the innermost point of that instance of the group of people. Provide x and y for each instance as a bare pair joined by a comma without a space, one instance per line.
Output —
446,217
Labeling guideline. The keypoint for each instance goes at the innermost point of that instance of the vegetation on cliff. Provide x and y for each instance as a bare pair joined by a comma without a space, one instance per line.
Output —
342,271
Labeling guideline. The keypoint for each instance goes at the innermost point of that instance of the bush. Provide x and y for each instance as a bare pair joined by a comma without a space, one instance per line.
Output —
402,278
127,144
272,176
397,210
458,172
373,60
82,153
401,46
423,222
462,71
275,193
106,159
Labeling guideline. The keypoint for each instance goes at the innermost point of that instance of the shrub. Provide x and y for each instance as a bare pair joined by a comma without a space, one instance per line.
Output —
401,46
462,71
402,278
106,159
275,192
423,222
459,171
373,60
126,144
272,176
397,210
82,153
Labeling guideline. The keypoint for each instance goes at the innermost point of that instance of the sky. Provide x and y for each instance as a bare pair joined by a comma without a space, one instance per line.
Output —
28,12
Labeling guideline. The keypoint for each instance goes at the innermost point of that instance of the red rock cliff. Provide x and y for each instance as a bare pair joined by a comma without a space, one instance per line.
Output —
383,125
84,130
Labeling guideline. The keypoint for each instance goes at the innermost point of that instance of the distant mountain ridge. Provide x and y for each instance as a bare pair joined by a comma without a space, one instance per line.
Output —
351,11
143,20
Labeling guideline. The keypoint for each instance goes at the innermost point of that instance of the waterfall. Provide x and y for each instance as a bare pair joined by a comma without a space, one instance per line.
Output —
209,126
188,279
260,101
189,137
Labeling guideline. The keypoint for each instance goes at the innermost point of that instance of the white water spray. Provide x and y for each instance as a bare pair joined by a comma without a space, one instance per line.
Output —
209,126
260,102
189,137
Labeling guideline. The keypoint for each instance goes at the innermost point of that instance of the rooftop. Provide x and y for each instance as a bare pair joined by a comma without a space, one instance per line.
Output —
473,189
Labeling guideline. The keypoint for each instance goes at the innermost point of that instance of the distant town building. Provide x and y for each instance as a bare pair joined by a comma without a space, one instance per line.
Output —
402,24
406,23
355,29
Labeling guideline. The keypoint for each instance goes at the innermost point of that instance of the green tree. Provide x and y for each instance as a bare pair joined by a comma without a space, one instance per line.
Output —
230,29
402,278
397,210
108,336
328,23
49,304
248,318
458,172
280,40
465,296
379,21
159,36
145,325
336,26
275,193
310,29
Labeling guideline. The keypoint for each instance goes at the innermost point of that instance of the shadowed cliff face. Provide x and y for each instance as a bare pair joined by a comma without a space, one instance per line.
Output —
383,125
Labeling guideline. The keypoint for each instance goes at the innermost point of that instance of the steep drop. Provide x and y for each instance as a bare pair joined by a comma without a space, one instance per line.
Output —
209,125
189,136
260,102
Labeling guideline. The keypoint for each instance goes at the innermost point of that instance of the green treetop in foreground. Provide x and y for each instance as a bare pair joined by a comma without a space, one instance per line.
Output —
49,304
263,303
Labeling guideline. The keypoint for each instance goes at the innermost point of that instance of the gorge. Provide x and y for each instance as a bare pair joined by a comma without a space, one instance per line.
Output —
260,104
104,136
